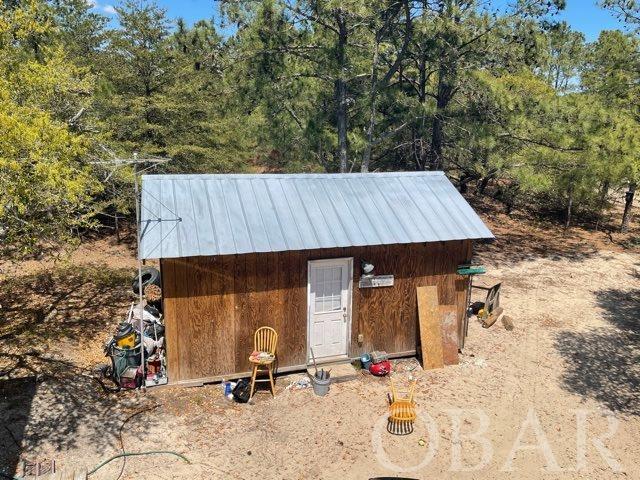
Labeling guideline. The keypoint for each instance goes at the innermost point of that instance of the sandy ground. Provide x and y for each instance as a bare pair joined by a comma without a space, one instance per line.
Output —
559,395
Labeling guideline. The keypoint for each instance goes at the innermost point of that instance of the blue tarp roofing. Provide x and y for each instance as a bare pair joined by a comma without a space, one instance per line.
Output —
191,215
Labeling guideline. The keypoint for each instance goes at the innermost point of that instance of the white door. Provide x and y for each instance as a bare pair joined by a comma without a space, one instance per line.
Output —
329,307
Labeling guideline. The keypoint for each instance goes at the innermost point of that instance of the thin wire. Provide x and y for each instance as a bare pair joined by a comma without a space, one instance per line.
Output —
157,200
155,224
162,239
145,231
154,214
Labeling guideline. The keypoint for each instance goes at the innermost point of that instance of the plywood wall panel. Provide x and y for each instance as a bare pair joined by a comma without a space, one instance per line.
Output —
242,338
183,286
246,311
225,324
170,308
214,304
204,304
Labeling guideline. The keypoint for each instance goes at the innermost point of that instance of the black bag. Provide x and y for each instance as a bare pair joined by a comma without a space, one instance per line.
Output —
155,332
242,391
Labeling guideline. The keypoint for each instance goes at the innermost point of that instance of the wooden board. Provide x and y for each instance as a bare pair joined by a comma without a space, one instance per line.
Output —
448,315
430,328
486,323
213,305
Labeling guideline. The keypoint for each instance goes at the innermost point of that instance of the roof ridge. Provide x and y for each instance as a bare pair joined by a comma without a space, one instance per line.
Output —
184,176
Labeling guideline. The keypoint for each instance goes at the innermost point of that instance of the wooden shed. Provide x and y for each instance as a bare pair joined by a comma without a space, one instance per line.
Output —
294,252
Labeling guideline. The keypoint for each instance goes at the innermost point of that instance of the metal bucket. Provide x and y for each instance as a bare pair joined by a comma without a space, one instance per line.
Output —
320,387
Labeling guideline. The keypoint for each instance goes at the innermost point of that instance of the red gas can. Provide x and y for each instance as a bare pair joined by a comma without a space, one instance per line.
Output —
380,369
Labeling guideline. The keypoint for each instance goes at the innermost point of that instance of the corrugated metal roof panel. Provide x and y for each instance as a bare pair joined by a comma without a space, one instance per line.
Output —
191,215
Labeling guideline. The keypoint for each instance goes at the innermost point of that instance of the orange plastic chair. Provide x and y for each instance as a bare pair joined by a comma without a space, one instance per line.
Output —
402,410
265,341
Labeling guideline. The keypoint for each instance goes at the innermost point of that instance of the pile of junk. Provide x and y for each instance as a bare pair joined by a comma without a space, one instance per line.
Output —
137,348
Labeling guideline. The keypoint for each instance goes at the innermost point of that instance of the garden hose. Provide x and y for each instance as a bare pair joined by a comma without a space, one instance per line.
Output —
132,454
125,454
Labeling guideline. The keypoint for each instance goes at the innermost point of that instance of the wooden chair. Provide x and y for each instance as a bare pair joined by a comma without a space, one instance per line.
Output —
264,340
402,410
491,311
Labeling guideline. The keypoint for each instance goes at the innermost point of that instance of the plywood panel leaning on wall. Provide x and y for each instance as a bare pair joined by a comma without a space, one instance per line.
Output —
449,320
430,329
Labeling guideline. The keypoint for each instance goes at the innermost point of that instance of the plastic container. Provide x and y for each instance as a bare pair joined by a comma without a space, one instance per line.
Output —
320,387
128,341
365,359
125,336
380,369
228,387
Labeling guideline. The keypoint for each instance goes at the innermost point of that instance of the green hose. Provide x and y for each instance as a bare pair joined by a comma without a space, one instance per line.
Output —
125,454
133,454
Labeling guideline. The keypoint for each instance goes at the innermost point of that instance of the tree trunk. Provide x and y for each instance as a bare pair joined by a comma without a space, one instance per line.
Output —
341,90
484,183
418,140
422,80
604,191
366,155
379,85
117,227
435,152
569,207
446,80
341,123
628,203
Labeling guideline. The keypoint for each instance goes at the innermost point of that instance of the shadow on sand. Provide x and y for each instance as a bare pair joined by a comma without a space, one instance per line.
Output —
50,399
604,363
16,396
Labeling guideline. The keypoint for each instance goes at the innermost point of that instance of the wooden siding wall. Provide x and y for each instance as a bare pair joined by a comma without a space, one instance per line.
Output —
213,305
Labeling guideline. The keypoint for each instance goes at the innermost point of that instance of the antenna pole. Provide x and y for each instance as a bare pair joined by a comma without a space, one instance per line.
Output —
140,292
116,162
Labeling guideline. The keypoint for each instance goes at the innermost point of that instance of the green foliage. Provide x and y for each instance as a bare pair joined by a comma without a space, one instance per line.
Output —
627,10
612,70
81,30
564,146
561,57
47,187
163,93
507,101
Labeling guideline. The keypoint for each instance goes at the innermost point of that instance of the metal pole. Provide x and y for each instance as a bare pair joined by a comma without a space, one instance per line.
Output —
140,292
465,324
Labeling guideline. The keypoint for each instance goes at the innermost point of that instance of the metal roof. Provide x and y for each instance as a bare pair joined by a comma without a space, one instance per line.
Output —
191,215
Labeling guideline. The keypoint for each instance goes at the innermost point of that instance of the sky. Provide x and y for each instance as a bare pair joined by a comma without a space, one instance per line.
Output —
583,15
